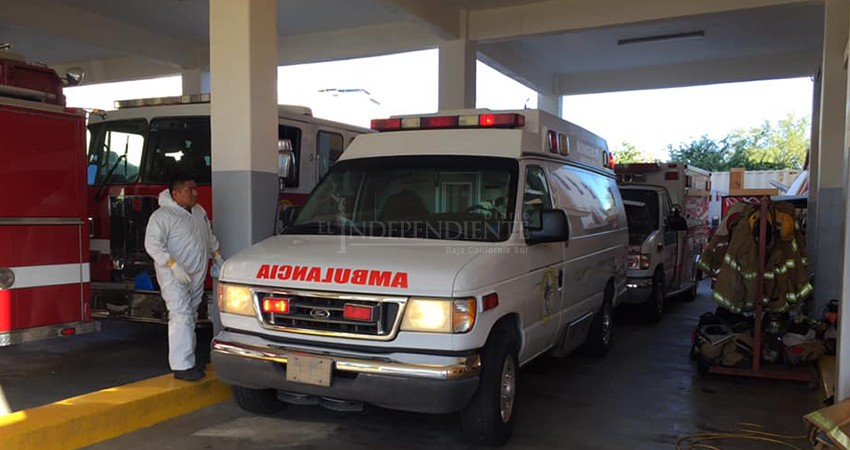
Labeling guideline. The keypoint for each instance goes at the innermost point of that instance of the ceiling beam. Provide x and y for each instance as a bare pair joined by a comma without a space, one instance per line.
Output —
444,22
68,22
753,68
560,16
119,69
354,43
509,59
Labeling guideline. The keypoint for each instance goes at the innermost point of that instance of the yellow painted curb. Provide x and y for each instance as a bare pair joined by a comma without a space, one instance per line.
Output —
98,416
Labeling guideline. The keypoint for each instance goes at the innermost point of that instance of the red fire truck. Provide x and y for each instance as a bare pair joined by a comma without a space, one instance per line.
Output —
134,150
44,243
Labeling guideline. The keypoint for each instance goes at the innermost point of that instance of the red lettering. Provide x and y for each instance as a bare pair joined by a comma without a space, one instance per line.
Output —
299,273
341,276
379,278
284,272
400,280
329,275
273,273
263,273
359,276
315,274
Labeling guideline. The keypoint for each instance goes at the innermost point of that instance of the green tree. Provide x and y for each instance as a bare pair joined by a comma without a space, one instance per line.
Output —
628,153
704,153
767,147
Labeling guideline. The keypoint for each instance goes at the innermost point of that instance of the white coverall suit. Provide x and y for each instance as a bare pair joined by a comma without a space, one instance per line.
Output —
175,233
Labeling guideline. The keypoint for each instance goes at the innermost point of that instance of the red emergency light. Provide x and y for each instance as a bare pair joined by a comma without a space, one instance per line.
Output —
671,176
611,161
276,305
358,312
553,141
505,120
68,331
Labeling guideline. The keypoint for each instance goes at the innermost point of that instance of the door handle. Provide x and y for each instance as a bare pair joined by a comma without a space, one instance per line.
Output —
560,278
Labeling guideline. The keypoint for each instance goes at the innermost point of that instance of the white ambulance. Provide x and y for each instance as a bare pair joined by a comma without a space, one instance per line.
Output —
435,259
667,209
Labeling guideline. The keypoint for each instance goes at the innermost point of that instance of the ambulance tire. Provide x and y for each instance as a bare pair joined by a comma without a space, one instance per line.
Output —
489,417
257,401
602,329
655,303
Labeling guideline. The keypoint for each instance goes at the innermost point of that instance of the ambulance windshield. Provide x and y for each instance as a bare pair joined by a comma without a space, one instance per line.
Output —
429,197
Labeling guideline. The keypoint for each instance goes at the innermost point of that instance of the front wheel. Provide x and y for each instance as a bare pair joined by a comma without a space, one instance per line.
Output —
655,303
602,330
489,417
257,401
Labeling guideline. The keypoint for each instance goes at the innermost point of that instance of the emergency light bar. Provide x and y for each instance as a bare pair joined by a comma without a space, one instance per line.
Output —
507,120
161,101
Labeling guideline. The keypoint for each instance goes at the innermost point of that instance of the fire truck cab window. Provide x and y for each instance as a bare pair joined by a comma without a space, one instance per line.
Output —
179,145
329,148
115,151
293,135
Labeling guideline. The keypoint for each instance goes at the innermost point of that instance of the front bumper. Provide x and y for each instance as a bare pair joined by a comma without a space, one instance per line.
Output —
407,382
638,290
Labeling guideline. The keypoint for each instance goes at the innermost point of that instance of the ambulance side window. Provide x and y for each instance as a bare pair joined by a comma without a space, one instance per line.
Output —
293,135
535,197
329,148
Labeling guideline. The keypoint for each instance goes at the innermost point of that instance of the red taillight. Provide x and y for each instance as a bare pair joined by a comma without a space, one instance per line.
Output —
276,305
501,120
671,175
358,312
490,301
68,331
438,122
386,124
553,141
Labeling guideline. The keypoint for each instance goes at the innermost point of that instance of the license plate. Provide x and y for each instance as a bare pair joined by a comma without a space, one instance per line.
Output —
309,370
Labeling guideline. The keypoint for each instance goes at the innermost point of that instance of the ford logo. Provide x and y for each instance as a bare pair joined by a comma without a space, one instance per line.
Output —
320,313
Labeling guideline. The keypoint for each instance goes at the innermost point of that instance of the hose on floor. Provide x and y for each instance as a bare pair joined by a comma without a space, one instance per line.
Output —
745,432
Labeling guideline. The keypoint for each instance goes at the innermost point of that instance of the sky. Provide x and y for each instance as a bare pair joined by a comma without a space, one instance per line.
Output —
356,91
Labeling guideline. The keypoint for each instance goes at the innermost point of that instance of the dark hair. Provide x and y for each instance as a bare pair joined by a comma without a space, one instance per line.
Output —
177,180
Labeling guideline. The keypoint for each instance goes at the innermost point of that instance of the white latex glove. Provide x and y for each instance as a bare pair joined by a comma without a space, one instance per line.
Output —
180,274
215,269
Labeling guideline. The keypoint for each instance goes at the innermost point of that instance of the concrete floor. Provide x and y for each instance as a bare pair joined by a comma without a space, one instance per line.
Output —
643,395
38,373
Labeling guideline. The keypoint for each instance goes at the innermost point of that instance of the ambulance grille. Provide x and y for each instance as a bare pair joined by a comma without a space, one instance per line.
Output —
319,314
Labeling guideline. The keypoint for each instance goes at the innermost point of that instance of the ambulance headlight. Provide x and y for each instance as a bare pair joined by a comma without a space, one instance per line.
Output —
235,299
439,315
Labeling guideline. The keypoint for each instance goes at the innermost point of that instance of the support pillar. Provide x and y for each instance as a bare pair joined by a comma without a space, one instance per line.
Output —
552,104
457,75
195,81
243,73
833,208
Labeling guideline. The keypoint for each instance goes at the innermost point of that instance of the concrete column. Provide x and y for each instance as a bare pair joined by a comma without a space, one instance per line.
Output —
552,104
830,164
243,66
814,155
833,209
195,81
457,75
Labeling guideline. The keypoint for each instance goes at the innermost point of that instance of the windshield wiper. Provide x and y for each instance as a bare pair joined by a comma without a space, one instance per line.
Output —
314,228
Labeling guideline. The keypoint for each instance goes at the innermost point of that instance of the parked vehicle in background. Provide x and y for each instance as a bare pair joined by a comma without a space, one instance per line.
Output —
435,259
133,152
667,207
44,245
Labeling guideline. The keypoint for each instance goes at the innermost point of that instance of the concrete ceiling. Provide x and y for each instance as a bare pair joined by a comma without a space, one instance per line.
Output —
561,46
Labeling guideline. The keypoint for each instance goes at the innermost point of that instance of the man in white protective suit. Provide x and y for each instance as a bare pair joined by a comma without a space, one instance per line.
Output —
180,241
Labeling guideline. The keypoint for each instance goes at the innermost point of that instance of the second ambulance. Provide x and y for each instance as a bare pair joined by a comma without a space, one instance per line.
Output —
435,258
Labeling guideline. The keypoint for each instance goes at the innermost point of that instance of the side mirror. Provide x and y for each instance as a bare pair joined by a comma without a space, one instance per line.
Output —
74,76
555,228
285,158
285,218
91,173
677,223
